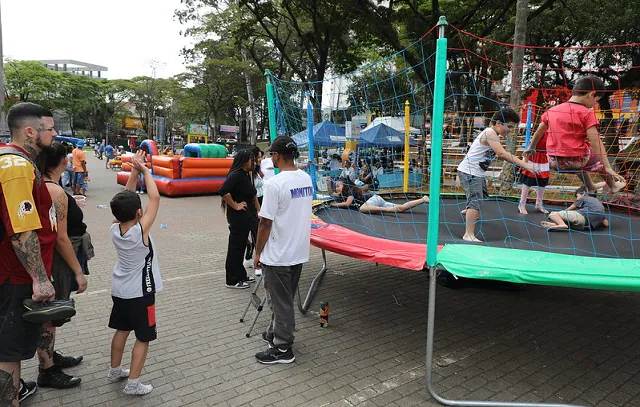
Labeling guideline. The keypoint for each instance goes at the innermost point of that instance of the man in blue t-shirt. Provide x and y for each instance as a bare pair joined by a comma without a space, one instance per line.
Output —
110,152
101,150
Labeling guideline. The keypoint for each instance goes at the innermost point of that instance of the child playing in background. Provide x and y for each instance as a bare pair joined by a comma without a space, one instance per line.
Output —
585,213
538,180
476,162
350,196
574,142
136,277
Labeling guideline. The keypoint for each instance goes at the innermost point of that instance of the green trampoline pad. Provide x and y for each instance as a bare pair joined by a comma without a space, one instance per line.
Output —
541,268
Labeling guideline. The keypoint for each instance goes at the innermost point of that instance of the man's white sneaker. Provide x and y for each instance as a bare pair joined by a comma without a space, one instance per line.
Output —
137,389
117,374
258,272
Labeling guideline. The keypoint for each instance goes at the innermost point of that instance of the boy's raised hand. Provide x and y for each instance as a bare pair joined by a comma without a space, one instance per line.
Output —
138,161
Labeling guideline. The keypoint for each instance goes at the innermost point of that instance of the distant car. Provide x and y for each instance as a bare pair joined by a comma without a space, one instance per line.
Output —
224,140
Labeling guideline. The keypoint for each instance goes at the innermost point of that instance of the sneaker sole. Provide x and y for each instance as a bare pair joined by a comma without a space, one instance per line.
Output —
41,316
67,386
275,362
136,394
233,287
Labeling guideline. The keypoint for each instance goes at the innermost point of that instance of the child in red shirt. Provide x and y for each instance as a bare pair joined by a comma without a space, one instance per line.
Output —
538,180
573,142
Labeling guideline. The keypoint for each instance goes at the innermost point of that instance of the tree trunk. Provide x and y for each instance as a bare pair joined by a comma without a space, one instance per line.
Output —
251,122
519,39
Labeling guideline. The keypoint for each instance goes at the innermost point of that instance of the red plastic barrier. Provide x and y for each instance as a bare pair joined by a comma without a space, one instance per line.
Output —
166,166
176,187
204,172
188,187
191,162
163,172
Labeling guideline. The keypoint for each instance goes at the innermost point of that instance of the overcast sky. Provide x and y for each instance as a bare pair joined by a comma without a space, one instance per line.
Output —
123,35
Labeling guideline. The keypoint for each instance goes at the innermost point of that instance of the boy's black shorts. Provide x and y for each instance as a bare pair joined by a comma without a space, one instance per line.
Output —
18,338
136,314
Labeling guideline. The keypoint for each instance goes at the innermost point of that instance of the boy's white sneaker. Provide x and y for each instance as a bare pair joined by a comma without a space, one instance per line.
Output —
135,388
258,272
117,374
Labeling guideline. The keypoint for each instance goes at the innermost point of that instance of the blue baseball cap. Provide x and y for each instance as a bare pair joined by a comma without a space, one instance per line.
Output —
80,144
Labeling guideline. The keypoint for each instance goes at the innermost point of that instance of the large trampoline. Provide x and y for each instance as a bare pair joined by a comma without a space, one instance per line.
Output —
516,248
500,226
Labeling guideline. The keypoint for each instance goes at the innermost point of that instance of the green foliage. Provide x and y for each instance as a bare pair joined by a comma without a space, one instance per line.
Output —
29,81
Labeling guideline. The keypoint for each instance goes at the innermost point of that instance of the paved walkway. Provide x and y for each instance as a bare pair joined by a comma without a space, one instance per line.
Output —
539,344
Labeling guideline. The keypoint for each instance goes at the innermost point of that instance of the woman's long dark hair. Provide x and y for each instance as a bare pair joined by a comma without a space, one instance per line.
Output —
241,158
50,158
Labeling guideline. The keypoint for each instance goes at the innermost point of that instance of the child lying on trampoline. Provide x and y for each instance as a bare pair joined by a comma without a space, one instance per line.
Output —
350,196
585,213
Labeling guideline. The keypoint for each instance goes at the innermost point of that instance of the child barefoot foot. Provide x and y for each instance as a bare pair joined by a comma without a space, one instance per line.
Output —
618,186
540,208
425,199
597,186
470,238
551,225
523,209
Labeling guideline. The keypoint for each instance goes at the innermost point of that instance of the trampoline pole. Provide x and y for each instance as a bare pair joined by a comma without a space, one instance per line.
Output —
407,152
527,134
304,307
312,165
431,318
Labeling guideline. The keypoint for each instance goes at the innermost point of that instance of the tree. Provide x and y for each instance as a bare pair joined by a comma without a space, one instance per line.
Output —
104,110
150,94
77,94
29,81
308,37
216,85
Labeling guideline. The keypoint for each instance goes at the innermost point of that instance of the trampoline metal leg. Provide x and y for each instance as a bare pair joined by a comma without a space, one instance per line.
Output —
258,304
255,319
304,307
431,317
